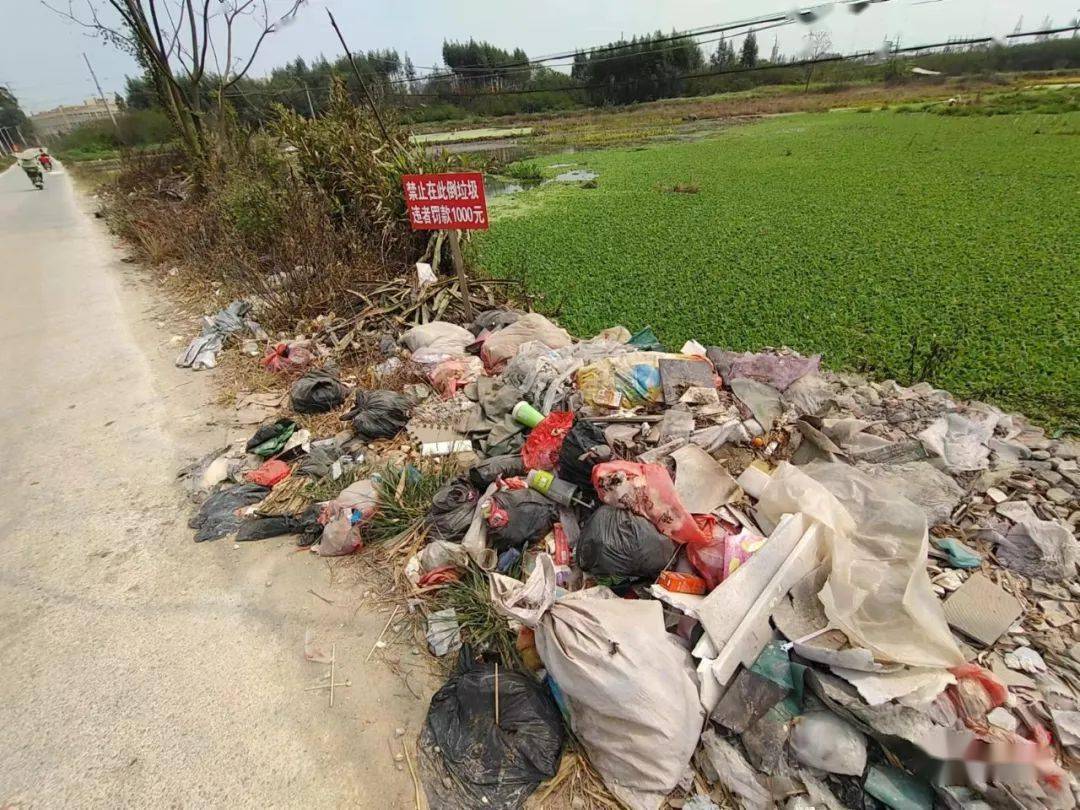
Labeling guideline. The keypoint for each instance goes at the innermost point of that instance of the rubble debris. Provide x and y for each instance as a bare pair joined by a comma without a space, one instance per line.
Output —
730,572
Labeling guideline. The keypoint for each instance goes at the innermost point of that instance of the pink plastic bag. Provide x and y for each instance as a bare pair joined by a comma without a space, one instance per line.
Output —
727,548
455,373
647,490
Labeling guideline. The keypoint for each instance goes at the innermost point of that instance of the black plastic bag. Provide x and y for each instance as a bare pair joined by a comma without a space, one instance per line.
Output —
520,517
583,448
502,763
318,391
217,516
260,528
484,473
616,542
452,510
378,414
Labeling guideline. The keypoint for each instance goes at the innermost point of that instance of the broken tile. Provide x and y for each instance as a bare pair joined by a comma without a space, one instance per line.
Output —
982,610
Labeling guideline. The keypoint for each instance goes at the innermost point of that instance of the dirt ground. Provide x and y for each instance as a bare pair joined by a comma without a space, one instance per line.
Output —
140,668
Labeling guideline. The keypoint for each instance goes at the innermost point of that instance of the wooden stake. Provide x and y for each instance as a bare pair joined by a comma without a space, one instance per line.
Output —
496,693
333,658
463,278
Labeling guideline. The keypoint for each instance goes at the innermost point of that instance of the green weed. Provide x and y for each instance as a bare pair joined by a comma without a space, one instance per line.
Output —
876,233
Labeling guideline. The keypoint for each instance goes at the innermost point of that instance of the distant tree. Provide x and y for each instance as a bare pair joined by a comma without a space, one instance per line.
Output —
11,114
410,72
580,67
174,42
118,100
749,56
818,44
774,57
724,56
485,64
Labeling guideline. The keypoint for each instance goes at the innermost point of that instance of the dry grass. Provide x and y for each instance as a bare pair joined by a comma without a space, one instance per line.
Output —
684,117
576,786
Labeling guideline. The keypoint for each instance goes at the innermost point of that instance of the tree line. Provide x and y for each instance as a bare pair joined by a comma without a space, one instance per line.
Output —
479,78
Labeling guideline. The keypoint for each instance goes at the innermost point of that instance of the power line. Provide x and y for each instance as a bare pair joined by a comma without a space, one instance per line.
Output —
711,73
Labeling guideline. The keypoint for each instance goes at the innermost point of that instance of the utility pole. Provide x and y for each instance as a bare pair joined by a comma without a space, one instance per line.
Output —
310,106
22,138
101,95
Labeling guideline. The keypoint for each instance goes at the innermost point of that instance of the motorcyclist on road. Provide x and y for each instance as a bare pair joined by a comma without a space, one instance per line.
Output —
28,162
45,160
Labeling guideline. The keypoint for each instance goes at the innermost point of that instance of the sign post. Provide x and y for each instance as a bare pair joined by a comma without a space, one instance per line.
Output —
452,202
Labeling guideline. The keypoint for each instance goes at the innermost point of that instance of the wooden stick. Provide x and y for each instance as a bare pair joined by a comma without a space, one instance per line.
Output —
333,658
418,794
376,644
339,684
459,265
496,693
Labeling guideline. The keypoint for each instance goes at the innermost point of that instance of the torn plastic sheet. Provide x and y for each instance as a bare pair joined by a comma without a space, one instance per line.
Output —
1045,549
878,591
776,369
960,442
762,400
701,482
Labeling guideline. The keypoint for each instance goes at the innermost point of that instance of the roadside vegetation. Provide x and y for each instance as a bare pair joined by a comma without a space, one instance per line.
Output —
909,246
99,140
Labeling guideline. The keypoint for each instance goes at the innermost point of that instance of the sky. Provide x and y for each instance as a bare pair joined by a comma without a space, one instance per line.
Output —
41,56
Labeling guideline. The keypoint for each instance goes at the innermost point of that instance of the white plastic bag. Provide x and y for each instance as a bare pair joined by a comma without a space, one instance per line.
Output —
878,591
630,686
824,741
431,343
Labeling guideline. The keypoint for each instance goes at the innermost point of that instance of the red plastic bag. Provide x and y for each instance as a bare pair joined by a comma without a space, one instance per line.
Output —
541,448
443,575
647,490
284,357
270,473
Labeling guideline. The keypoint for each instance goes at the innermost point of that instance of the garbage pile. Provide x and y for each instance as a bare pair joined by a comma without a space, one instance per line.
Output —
733,575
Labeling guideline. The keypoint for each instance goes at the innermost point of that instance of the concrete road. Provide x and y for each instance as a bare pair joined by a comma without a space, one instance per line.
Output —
137,668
